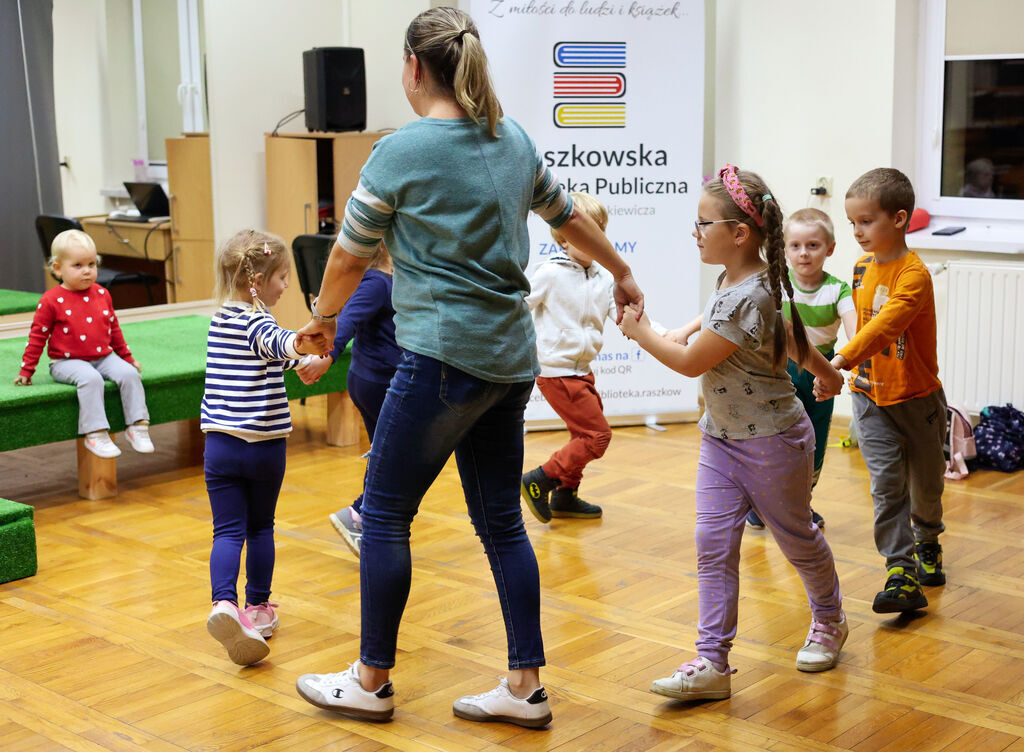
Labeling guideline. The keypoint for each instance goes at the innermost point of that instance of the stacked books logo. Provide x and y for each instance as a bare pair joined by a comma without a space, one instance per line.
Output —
585,75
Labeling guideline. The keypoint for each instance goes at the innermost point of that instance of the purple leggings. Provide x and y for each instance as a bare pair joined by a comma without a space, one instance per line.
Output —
772,475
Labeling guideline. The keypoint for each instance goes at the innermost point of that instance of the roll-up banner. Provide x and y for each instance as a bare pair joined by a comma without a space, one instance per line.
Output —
612,92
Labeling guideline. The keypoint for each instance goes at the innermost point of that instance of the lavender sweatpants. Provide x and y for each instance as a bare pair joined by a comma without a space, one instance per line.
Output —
772,475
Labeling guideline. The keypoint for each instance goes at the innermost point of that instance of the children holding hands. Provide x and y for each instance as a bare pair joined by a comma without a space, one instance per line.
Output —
898,400
77,324
757,447
246,418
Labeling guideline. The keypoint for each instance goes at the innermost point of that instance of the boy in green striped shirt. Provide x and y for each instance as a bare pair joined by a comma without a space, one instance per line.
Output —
823,302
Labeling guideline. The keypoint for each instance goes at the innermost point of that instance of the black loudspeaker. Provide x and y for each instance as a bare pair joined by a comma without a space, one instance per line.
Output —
335,83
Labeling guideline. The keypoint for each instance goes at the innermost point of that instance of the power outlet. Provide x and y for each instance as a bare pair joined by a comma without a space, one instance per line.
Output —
825,182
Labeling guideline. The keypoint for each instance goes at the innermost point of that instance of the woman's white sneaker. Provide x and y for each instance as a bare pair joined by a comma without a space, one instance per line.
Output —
501,705
342,693
231,628
824,642
696,680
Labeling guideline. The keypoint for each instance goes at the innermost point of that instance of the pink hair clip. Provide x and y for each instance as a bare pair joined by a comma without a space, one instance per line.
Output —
266,249
732,184
252,291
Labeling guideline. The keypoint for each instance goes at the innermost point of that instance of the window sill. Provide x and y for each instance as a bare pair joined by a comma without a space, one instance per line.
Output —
981,236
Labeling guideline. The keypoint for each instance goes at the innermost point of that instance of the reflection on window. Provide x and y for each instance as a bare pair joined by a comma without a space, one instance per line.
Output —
983,129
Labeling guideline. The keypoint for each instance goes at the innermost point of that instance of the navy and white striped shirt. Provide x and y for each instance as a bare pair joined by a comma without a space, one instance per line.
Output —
246,355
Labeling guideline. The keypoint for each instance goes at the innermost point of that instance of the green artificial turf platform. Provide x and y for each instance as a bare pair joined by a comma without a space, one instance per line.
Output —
16,301
172,352
17,541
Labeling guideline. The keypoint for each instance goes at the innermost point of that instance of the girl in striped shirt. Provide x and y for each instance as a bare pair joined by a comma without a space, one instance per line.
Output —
245,417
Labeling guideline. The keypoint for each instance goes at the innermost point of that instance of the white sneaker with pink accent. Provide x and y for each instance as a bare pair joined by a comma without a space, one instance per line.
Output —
696,680
229,625
264,618
824,641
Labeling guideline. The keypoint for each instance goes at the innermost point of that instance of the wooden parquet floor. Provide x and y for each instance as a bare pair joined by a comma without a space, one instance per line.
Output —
106,648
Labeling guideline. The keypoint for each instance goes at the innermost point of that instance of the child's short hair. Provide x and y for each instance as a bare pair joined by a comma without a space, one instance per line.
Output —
814,218
888,186
66,240
588,205
244,255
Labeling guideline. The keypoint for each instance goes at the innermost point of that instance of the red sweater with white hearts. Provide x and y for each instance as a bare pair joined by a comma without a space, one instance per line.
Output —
80,324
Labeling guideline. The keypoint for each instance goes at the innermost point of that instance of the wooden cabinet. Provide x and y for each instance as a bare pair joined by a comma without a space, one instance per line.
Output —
191,197
309,175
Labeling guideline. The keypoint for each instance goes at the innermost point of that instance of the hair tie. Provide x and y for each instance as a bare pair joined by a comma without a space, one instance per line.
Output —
766,197
739,196
266,249
252,291
462,34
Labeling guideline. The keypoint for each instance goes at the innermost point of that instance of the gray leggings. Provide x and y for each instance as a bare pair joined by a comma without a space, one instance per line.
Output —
88,376
902,447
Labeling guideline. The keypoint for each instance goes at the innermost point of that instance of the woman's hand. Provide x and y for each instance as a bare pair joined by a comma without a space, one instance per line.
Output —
23,381
628,295
315,338
137,366
313,370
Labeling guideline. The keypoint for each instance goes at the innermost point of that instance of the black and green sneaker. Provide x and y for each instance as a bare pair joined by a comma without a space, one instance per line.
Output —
902,593
929,563
535,488
565,502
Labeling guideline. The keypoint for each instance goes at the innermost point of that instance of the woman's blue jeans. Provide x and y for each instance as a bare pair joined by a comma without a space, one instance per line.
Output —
431,410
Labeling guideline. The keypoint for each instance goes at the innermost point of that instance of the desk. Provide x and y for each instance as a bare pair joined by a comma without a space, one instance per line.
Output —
187,266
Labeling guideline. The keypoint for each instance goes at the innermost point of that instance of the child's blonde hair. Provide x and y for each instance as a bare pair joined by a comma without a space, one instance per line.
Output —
245,255
589,206
814,218
66,240
381,258
772,247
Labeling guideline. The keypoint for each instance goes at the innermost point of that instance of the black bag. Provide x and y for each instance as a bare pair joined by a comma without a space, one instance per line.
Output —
999,438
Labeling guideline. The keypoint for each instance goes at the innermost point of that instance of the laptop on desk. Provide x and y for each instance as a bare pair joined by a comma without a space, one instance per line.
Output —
150,201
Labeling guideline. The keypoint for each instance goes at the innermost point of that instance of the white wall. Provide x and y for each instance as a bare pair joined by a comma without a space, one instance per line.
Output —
94,92
254,77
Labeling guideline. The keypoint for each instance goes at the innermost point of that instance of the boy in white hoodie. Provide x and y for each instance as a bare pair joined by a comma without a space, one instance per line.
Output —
570,298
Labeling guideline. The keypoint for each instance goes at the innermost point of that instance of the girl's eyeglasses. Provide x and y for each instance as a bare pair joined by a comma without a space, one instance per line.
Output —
699,226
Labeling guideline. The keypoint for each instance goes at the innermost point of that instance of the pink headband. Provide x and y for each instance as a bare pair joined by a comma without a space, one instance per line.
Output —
739,196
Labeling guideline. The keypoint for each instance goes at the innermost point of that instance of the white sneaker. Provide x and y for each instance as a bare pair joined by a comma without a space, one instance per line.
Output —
343,694
100,444
501,705
229,625
821,650
696,680
138,437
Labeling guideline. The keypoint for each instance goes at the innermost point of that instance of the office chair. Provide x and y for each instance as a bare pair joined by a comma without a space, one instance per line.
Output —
310,253
49,226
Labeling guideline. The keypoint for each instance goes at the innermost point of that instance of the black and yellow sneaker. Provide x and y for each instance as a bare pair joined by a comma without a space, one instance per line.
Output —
565,502
902,593
929,563
535,487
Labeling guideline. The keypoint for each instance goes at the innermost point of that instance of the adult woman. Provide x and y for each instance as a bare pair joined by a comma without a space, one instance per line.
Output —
450,194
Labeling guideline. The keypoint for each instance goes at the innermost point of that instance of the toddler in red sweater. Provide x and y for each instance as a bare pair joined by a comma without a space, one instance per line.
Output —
86,346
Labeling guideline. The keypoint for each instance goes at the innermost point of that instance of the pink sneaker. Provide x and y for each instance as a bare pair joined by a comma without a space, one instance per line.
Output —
263,618
229,625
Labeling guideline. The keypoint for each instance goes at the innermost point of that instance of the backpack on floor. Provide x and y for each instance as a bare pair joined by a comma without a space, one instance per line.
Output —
960,449
999,438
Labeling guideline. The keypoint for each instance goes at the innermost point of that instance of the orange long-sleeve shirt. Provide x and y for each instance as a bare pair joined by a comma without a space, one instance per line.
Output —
893,356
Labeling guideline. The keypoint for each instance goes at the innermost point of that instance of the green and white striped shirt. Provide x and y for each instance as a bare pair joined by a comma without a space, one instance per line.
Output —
820,309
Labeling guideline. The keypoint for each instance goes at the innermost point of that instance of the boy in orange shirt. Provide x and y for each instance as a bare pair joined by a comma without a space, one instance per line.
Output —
898,401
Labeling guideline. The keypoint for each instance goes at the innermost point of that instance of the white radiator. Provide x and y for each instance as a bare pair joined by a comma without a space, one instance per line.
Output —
981,334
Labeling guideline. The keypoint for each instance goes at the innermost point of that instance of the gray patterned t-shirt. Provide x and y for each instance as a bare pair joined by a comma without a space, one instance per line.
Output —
745,397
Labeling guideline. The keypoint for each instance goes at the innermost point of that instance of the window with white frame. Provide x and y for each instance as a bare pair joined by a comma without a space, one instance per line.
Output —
971,154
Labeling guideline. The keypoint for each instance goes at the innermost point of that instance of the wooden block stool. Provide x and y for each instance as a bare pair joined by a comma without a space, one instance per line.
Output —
17,541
